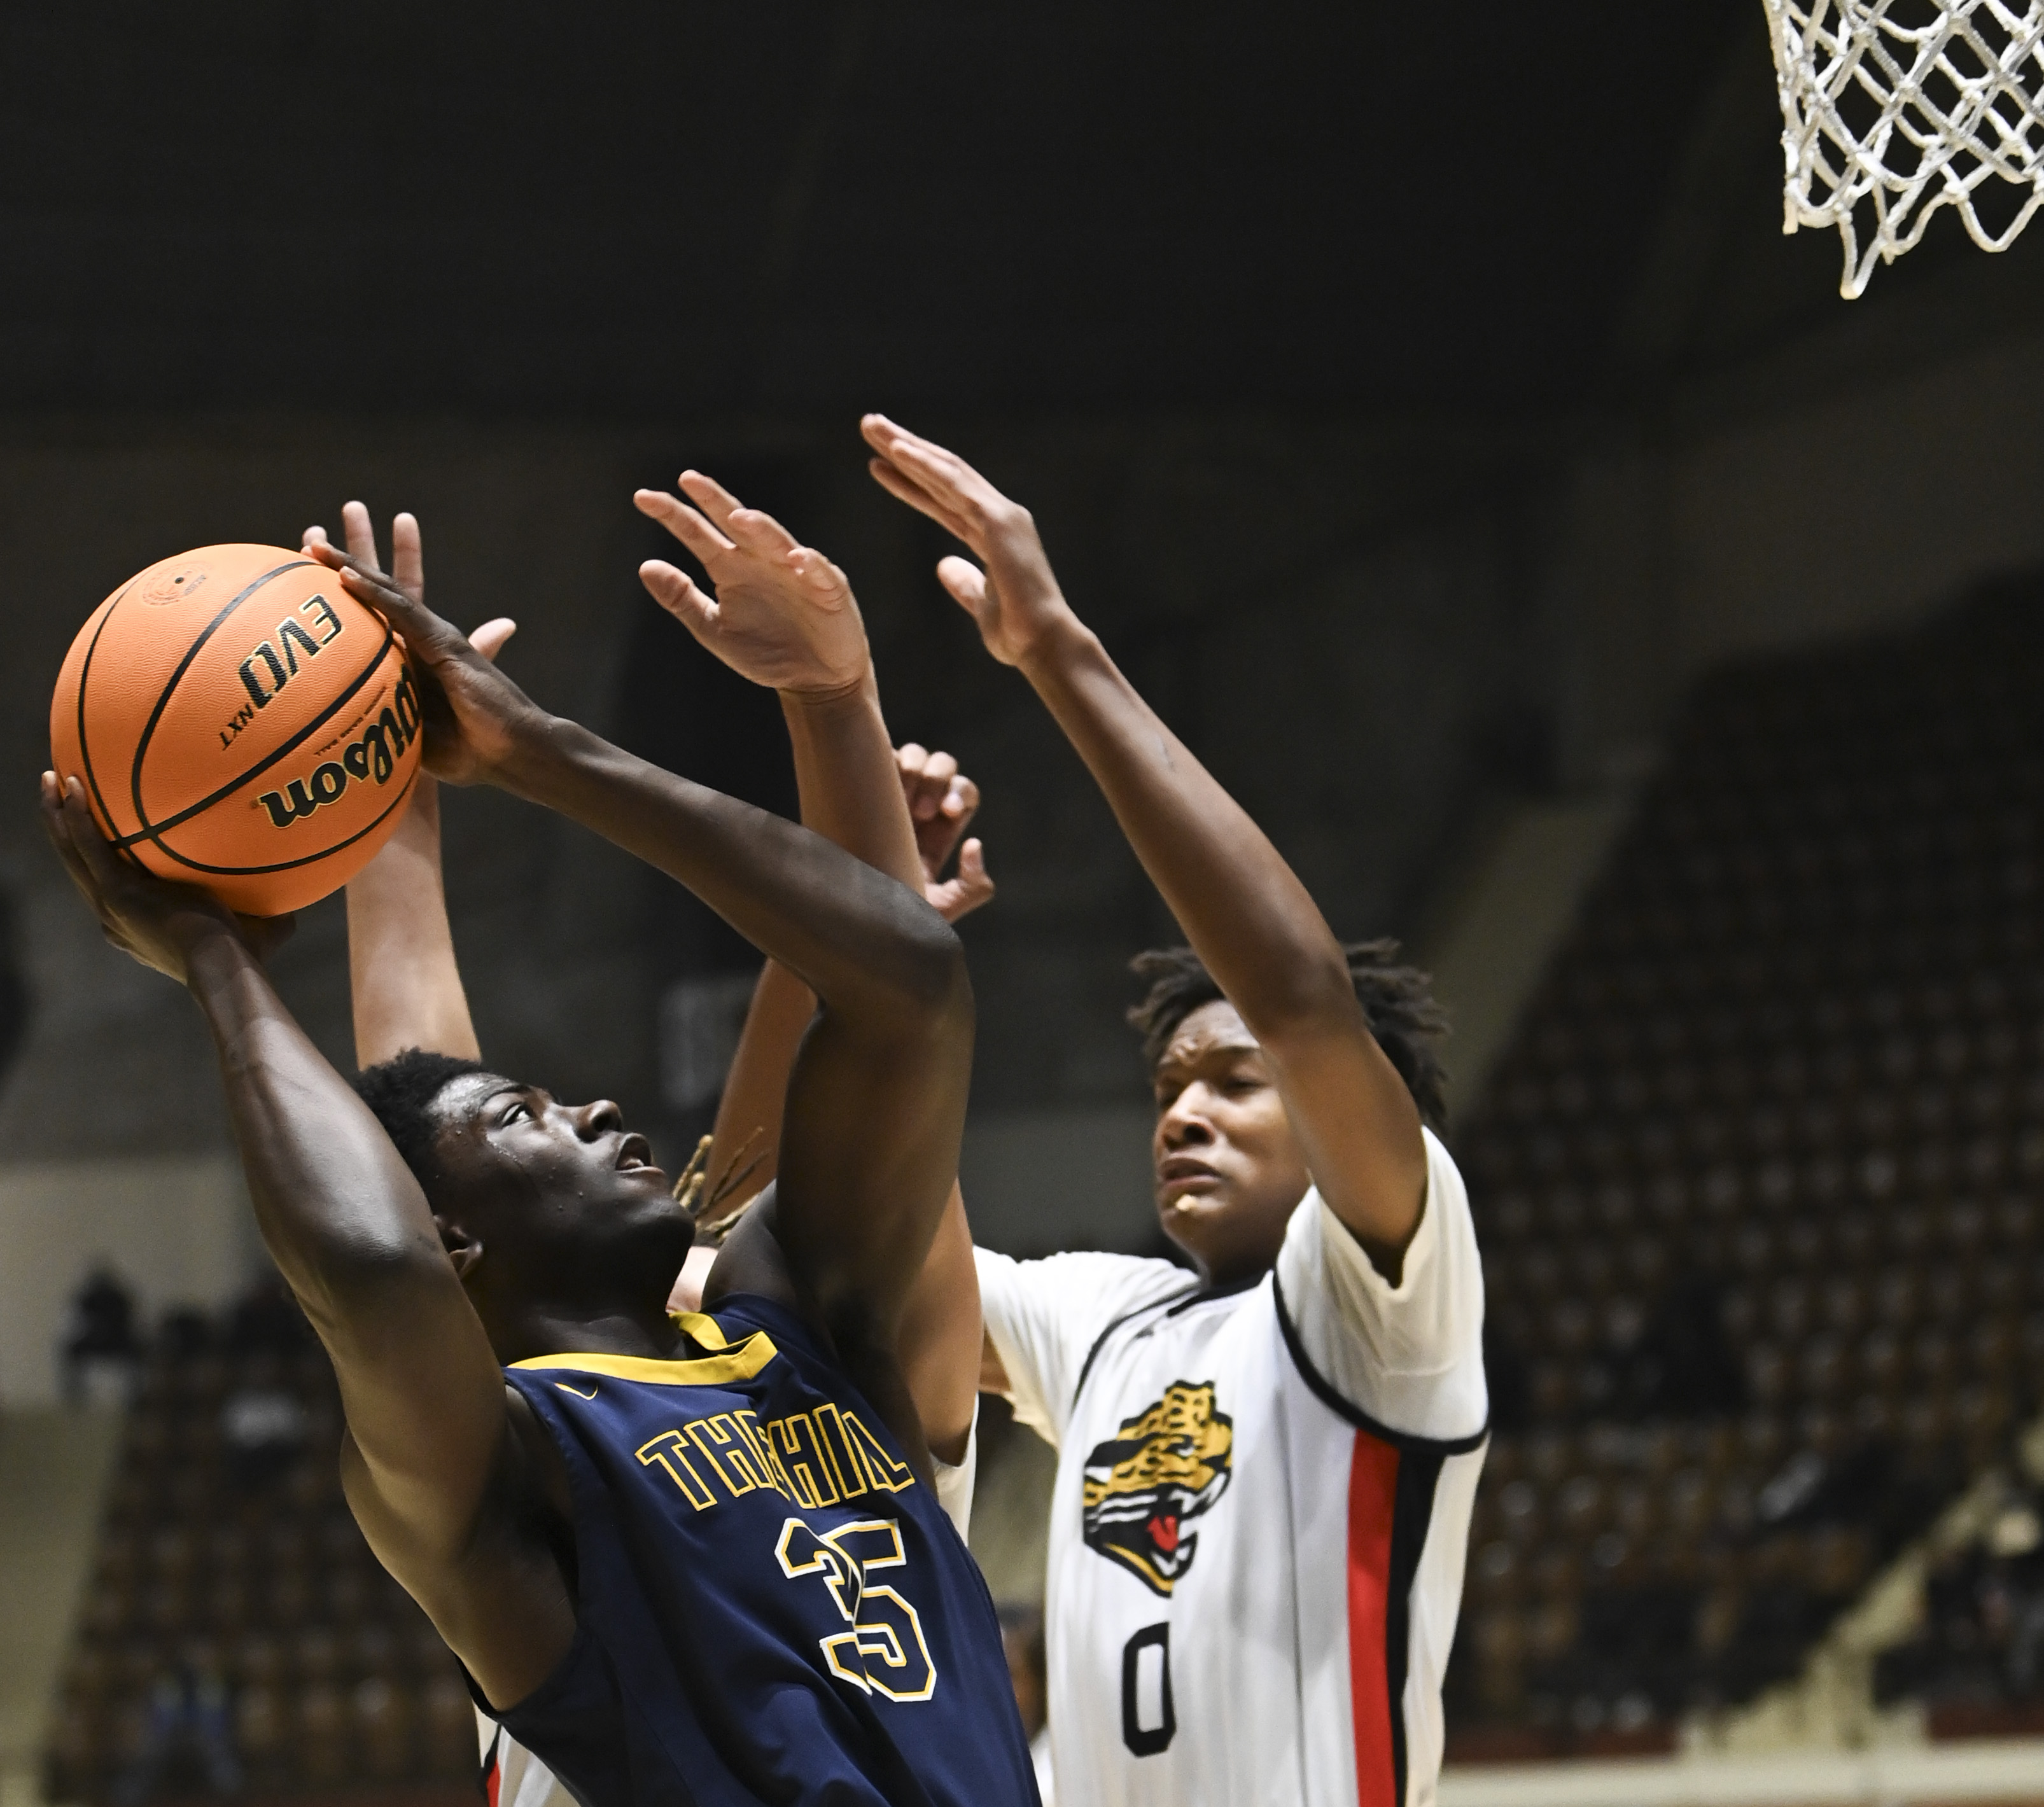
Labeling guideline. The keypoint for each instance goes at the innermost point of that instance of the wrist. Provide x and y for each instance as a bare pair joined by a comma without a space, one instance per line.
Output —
1063,643
534,752
852,692
212,950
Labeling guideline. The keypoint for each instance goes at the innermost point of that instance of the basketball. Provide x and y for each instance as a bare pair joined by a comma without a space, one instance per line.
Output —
239,722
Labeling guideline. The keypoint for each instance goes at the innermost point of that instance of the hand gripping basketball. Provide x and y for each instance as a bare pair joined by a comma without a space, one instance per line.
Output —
149,918
476,719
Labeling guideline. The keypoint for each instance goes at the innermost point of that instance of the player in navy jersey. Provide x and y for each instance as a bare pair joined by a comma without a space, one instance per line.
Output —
689,1560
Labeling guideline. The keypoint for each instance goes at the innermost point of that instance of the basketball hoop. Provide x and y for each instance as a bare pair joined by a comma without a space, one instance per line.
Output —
1892,109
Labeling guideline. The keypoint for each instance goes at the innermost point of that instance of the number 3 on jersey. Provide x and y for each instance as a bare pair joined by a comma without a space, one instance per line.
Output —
883,1652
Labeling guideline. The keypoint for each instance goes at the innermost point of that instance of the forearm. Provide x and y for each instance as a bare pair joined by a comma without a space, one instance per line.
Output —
402,974
1242,908
850,792
870,949
746,1138
336,1206
846,778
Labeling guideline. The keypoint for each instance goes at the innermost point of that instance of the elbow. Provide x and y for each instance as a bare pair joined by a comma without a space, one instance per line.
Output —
347,1279
930,974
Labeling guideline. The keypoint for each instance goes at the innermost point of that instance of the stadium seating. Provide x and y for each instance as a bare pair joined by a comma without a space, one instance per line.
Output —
234,1611
1758,1182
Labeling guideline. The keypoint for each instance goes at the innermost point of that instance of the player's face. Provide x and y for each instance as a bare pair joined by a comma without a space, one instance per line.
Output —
1229,1169
562,1196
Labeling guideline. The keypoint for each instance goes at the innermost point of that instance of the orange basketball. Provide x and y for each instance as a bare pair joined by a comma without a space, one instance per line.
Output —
239,721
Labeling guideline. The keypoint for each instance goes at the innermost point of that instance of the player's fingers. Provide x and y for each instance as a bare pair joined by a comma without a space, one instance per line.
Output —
964,894
424,632
946,475
489,638
962,800
360,532
760,533
909,758
818,572
937,772
965,581
904,488
683,523
708,495
408,555
98,858
680,595
59,831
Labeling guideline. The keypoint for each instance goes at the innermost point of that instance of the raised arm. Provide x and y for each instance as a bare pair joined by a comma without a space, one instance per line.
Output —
1240,905
877,1099
403,982
784,614
350,1232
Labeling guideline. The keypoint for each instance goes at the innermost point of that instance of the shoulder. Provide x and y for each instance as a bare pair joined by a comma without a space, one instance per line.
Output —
1408,1354
1085,1276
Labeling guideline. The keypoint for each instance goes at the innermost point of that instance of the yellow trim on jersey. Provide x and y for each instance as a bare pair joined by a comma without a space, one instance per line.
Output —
740,1361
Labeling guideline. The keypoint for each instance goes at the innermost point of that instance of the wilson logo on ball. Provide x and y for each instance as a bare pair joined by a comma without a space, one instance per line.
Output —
373,758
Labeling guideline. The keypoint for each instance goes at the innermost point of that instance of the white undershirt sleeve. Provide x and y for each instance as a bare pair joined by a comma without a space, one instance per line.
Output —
1410,1356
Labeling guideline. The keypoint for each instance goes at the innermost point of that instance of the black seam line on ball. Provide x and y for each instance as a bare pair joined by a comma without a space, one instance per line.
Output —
150,830
84,749
164,696
290,865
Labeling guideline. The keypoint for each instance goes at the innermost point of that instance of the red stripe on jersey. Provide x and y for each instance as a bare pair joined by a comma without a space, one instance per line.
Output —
1372,1488
492,1768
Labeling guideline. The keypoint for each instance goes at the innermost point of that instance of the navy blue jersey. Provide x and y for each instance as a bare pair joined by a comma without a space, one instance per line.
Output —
770,1606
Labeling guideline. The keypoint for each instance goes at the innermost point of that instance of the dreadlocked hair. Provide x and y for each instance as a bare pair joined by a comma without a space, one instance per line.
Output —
400,1093
1397,1002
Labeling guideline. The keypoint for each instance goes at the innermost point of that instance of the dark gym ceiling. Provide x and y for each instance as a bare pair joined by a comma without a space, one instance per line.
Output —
627,209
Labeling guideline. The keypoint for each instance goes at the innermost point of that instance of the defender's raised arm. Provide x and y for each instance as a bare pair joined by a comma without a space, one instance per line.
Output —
1242,908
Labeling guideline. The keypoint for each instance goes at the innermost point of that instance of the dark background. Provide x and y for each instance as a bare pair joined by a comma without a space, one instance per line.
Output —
1414,399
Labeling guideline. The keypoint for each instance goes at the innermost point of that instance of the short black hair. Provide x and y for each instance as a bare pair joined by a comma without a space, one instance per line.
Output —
399,1092
1397,1002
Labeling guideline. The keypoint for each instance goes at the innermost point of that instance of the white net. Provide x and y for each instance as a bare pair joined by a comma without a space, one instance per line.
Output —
1892,109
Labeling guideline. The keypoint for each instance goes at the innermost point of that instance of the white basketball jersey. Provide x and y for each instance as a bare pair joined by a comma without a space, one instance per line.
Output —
1261,1511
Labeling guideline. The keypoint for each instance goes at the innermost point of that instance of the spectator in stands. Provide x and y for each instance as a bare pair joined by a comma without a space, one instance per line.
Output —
266,1320
100,1346
263,1428
188,1708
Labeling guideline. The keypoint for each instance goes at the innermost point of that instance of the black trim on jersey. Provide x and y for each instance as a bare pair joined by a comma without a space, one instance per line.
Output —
1178,1301
1412,1517
1323,1390
1099,1342
491,1757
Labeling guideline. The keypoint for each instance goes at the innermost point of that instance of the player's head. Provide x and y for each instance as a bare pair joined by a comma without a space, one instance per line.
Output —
1227,1166
547,1210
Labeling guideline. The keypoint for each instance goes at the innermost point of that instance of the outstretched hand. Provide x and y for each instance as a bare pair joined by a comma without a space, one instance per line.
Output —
1014,598
476,718
148,918
783,615
942,801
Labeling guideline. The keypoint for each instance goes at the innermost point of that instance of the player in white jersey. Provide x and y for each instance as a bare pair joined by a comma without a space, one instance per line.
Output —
1266,1471
906,814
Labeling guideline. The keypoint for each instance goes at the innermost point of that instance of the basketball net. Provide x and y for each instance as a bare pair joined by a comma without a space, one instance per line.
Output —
1892,109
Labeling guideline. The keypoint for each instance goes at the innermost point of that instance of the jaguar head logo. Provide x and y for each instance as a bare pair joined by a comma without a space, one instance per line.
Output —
1145,1486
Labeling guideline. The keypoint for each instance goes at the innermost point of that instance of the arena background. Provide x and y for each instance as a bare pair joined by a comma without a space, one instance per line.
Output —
1417,405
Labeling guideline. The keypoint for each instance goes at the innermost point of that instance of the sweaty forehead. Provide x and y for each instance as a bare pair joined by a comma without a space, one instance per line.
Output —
457,1102
1213,1028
